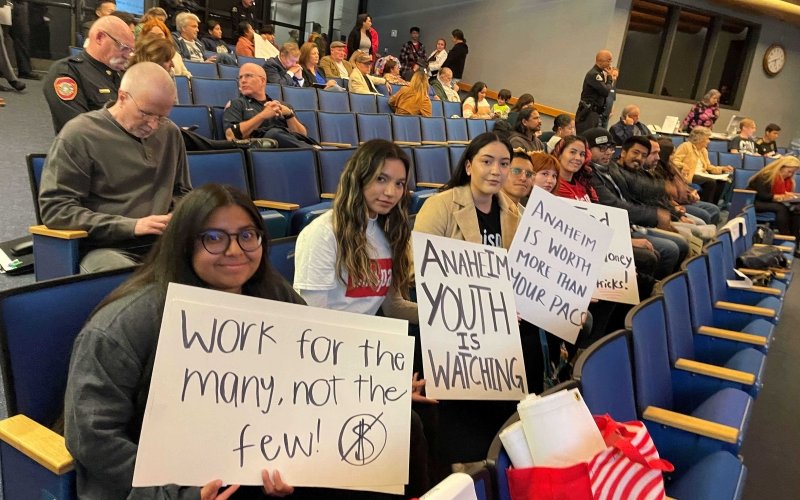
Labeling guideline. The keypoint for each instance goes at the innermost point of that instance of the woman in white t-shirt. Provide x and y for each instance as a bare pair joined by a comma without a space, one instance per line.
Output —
355,257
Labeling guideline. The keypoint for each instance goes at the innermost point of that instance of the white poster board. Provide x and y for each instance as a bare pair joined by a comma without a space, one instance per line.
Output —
263,48
616,280
468,323
241,384
555,260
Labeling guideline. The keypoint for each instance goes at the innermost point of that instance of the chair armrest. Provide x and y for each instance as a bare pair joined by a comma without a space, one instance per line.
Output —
62,234
692,424
774,247
336,144
783,237
407,143
745,191
457,142
327,196
732,306
37,442
277,205
434,143
434,185
746,270
747,338
715,371
761,289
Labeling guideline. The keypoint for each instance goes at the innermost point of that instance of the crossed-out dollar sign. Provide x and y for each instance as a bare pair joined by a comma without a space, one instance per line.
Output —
366,436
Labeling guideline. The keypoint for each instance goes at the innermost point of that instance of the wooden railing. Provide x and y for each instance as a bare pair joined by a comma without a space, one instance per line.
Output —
541,108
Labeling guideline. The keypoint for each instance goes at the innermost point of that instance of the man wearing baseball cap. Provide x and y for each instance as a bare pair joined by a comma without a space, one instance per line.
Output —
614,190
335,65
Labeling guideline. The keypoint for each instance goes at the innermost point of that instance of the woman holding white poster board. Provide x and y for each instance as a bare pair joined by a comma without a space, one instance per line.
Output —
215,239
356,258
574,182
472,207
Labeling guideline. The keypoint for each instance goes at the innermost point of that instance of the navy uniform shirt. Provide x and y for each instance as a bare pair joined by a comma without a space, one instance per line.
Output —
78,84
241,13
596,88
244,108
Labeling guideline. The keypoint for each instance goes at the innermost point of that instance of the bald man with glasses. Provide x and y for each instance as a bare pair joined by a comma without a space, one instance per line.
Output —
89,80
118,171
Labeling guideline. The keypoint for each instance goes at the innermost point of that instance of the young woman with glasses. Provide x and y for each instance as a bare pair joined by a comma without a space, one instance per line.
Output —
214,240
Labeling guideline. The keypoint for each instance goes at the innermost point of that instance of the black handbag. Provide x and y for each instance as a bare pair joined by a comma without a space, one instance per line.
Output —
763,234
762,258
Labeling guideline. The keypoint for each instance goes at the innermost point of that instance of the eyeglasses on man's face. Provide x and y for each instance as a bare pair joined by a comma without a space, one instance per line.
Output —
516,171
120,46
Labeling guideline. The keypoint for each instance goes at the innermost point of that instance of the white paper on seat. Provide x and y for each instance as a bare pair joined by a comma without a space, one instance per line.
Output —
516,445
560,429
456,486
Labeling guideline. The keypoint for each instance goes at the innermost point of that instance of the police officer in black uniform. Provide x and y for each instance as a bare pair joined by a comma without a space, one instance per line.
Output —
244,10
597,95
86,82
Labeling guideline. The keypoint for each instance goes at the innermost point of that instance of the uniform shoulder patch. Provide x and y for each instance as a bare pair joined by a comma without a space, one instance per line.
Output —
599,78
66,88
234,9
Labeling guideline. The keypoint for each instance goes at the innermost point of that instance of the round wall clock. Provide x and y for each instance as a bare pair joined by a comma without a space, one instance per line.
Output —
774,59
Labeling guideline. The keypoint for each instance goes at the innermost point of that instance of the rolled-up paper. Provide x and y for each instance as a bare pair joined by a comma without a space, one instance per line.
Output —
560,430
515,444
456,486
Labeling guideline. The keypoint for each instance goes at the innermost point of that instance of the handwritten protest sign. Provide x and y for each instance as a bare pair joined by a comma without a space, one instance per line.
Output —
468,324
555,258
242,384
616,280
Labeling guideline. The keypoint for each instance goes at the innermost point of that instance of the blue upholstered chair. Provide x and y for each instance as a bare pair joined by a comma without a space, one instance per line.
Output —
405,130
309,120
605,375
336,102
764,301
433,130
183,89
374,126
39,323
722,319
201,70
229,167
194,116
300,97
286,180
337,129
745,363
456,130
669,395
331,165
214,91
432,166
363,103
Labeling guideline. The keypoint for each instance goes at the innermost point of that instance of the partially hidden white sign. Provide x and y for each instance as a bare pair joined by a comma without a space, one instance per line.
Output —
468,323
616,280
242,384
555,259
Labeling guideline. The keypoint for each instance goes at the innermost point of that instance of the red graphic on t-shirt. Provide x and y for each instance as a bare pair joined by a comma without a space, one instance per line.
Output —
383,269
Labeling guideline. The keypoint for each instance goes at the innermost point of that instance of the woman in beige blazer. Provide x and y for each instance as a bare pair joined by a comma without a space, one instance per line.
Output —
461,211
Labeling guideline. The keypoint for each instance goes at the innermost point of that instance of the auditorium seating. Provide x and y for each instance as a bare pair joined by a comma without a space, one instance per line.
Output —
194,117
213,91
725,350
374,126
201,69
39,323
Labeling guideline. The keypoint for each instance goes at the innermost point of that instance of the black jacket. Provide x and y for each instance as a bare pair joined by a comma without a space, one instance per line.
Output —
456,59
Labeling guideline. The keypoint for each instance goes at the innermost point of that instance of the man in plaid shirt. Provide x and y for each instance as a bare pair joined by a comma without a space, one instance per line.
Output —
412,54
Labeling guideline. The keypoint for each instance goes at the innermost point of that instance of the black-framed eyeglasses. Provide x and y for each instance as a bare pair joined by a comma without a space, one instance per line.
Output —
605,147
518,171
121,46
216,241
145,114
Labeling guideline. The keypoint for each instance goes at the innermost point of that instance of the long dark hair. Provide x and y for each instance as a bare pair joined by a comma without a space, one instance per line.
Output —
473,92
460,176
170,259
360,20
350,217
522,100
584,175
521,117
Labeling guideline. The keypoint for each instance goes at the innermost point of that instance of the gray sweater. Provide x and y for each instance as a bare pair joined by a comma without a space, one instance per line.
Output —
101,179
